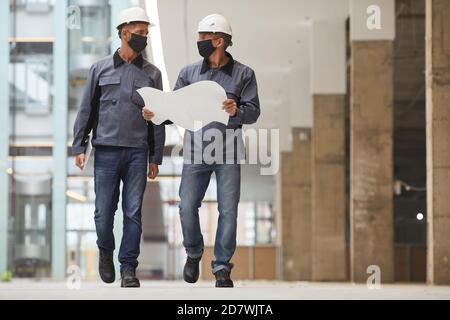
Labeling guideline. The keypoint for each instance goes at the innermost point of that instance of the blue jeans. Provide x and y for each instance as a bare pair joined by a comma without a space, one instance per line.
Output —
112,165
194,183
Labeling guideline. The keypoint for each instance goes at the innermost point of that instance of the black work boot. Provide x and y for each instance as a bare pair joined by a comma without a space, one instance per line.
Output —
223,279
129,279
106,267
191,269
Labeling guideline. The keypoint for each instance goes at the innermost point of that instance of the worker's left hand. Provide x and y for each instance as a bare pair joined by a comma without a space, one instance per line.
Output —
153,171
147,114
230,106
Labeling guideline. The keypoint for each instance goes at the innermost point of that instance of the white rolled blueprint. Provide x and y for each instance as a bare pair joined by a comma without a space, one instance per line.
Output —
191,107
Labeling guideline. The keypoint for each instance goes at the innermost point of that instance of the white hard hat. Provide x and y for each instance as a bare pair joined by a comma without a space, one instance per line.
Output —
215,23
134,14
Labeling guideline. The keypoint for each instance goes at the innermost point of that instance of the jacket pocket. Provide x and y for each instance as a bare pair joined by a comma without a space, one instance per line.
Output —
110,88
107,127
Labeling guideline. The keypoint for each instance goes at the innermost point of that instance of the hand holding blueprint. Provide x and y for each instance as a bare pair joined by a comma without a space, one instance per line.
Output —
199,102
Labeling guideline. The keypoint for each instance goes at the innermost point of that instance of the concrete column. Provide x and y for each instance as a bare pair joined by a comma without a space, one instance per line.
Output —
328,188
4,134
438,133
371,134
328,149
60,111
295,206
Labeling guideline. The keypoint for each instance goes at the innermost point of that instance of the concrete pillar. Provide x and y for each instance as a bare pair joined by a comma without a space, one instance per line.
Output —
328,149
4,134
295,205
328,189
371,135
438,133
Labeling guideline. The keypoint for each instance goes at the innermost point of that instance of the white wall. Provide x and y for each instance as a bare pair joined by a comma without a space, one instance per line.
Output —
328,57
42,24
271,37
274,38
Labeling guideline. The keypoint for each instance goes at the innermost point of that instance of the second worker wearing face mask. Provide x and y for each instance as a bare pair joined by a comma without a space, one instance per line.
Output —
125,144
242,105
239,82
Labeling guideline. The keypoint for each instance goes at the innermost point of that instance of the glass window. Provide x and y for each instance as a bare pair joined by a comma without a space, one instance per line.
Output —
30,77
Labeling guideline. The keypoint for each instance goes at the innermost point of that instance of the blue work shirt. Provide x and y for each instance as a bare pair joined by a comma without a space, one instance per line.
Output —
239,82
112,108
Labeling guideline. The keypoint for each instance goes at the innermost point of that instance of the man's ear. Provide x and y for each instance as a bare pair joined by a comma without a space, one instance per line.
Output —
220,43
124,34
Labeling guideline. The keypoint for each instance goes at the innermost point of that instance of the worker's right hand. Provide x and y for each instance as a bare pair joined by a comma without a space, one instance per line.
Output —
147,114
79,161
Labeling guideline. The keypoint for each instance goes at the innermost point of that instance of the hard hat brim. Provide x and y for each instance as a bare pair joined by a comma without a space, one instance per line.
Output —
150,24
209,31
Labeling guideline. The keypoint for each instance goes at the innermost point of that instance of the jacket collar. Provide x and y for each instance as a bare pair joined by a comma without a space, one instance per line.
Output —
228,68
118,61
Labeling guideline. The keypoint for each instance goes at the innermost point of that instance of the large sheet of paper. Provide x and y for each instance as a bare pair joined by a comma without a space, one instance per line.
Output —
88,153
199,103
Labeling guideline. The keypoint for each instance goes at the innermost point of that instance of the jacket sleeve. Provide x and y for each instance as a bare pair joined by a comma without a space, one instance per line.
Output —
86,116
156,134
249,110
181,81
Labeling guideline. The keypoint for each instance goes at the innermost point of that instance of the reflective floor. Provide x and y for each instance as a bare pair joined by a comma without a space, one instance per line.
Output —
162,290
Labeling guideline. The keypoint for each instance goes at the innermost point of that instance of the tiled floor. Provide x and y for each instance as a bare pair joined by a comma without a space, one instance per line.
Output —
161,290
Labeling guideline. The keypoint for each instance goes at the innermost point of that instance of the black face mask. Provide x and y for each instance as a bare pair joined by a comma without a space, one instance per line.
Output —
137,42
205,48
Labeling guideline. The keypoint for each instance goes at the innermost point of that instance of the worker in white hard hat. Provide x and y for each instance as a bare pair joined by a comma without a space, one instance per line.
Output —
239,81
126,148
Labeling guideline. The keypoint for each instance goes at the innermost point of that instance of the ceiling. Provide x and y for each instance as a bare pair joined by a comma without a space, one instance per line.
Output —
274,38
271,37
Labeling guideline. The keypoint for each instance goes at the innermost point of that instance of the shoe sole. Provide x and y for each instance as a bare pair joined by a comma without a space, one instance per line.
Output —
108,281
130,286
224,285
191,281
